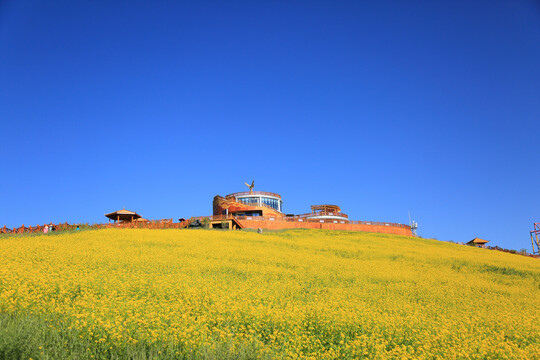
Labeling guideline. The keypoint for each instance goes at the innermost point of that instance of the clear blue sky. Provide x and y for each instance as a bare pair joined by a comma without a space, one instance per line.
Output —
431,107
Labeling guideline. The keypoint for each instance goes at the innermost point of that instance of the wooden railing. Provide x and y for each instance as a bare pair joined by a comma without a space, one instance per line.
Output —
212,218
151,224
38,228
170,224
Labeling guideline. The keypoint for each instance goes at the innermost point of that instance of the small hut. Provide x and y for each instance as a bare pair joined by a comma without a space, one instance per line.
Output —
481,243
123,216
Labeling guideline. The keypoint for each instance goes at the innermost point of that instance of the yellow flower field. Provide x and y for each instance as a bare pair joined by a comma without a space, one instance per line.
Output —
302,294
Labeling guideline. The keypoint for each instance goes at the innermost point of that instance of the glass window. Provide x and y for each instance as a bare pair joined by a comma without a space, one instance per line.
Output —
273,203
248,200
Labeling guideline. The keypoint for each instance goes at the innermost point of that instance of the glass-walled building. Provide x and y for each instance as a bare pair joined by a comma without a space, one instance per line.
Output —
260,198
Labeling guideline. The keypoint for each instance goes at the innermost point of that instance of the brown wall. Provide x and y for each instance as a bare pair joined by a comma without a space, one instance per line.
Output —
276,225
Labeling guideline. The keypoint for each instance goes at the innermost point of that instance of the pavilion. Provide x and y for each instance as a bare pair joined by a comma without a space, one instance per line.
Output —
478,242
123,216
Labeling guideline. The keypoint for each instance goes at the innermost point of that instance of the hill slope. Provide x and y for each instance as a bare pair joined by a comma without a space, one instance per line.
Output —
303,293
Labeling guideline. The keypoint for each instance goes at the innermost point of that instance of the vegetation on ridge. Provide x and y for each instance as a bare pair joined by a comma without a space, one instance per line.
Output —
193,294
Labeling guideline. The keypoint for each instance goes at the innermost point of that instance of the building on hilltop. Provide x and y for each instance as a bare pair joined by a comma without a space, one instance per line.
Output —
262,203
481,243
264,210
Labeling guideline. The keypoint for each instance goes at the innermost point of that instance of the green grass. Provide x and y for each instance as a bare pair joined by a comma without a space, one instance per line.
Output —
28,336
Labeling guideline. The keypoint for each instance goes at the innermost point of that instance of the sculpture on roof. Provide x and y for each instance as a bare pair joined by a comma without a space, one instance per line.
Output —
250,186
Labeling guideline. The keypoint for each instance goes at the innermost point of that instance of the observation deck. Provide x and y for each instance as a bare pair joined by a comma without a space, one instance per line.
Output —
325,212
244,193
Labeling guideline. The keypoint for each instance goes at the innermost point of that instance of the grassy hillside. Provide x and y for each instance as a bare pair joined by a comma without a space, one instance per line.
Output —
295,294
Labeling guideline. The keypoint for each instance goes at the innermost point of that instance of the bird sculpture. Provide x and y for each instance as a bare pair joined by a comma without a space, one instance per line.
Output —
250,186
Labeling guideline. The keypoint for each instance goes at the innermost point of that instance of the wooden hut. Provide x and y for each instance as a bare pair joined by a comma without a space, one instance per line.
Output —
478,242
123,216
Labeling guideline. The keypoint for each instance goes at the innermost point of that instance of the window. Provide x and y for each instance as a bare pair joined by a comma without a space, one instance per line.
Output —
254,201
248,200
273,203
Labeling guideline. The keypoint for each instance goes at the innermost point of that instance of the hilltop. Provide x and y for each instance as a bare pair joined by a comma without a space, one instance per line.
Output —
236,294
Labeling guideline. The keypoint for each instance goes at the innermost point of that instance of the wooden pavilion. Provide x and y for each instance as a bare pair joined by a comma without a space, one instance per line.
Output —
478,242
326,209
123,216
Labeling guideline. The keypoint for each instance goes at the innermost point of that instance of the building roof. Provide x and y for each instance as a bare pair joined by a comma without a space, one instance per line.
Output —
478,241
123,214
242,193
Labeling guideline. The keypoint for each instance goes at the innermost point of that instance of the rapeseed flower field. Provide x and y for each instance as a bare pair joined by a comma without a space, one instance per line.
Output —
302,294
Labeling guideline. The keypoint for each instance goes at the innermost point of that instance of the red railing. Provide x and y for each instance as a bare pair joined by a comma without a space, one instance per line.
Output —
323,213
295,219
338,221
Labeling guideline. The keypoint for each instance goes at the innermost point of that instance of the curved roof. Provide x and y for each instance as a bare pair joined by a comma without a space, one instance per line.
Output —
242,193
478,241
123,214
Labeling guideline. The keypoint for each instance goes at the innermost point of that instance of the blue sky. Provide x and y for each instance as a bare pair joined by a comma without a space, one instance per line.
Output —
379,107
